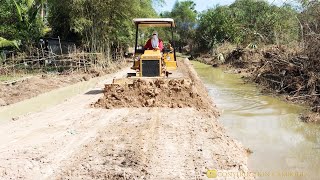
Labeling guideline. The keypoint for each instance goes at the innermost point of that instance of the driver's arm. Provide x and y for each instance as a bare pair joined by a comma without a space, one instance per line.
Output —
161,45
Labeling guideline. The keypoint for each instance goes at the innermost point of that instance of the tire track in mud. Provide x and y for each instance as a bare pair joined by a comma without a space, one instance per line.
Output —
115,153
95,123
149,135
138,146
170,159
149,143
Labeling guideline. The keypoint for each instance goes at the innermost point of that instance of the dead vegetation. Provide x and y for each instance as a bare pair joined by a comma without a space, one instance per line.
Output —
293,72
295,75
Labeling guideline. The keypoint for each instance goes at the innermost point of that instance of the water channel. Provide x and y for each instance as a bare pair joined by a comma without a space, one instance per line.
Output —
269,127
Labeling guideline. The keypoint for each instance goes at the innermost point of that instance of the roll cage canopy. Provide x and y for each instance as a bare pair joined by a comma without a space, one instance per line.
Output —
154,22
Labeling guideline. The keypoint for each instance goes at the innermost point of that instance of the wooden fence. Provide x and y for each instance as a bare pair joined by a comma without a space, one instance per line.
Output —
48,61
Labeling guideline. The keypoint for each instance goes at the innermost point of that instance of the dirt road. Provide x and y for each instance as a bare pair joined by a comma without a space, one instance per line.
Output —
73,140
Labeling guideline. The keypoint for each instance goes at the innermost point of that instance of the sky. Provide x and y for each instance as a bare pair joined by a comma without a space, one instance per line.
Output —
205,4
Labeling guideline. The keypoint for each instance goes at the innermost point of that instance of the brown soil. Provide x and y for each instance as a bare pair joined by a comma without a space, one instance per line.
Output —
170,93
27,88
74,141
156,143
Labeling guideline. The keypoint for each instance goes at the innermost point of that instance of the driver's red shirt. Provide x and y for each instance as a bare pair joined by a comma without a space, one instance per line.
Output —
148,45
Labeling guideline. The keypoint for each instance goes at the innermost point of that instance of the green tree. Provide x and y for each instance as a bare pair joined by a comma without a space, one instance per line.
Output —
262,22
309,16
8,20
185,17
100,26
60,17
248,21
7,43
217,25
20,20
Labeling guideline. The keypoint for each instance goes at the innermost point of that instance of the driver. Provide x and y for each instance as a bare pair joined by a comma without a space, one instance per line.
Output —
154,43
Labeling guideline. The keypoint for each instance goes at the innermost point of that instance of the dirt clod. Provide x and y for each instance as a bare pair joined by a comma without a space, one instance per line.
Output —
86,78
310,117
2,102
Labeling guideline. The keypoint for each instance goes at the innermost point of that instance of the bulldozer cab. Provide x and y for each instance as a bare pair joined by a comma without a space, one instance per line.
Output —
154,63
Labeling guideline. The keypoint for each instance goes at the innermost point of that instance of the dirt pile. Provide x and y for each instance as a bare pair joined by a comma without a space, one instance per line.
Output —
244,58
172,93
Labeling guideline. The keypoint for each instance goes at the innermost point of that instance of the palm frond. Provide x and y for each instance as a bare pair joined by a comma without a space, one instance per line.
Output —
19,10
30,3
7,43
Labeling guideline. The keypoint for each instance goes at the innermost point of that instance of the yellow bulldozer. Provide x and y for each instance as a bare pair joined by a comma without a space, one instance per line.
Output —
152,63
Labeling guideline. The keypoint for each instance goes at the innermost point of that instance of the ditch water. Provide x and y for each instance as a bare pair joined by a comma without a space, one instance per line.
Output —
46,100
269,127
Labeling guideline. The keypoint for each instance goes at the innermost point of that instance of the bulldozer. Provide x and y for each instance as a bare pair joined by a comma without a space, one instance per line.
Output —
149,84
152,63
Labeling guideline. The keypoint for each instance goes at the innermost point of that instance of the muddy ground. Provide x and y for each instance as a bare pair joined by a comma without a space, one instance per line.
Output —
25,88
74,140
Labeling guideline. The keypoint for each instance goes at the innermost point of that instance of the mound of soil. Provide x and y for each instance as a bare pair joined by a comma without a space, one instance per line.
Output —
172,93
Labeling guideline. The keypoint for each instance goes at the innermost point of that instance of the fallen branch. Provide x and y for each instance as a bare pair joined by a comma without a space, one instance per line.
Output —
307,95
